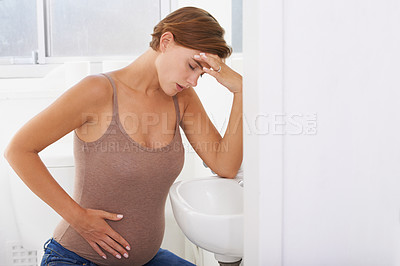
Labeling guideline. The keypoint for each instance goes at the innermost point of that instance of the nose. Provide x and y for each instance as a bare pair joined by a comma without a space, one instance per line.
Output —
192,79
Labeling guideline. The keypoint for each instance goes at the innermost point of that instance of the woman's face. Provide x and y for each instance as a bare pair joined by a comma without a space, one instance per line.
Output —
177,69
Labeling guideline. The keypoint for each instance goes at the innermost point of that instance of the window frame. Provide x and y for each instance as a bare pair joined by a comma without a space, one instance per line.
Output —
44,53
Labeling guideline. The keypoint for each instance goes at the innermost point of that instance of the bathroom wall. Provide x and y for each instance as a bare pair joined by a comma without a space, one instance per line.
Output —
341,62
332,69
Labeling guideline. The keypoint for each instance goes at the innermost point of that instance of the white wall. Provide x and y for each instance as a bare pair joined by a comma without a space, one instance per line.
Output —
336,198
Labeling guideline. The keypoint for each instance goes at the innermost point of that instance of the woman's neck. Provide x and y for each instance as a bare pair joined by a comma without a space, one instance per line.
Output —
141,75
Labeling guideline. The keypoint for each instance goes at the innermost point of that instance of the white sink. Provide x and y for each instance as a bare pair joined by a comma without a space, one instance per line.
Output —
209,211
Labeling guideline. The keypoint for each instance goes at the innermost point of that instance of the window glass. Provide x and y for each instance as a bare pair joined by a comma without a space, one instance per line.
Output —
18,28
101,27
237,7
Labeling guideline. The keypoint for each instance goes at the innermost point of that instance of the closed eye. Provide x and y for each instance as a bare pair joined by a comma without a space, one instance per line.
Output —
193,68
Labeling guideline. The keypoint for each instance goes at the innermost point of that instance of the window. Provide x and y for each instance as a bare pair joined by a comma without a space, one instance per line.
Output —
100,27
18,28
48,31
54,31
237,29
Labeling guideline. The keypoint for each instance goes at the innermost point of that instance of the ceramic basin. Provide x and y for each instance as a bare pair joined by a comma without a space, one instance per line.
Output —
209,211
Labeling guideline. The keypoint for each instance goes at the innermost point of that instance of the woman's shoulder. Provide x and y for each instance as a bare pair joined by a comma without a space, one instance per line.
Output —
89,96
187,97
96,90
95,85
184,97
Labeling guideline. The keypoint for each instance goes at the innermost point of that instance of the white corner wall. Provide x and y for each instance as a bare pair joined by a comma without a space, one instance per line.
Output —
262,98
342,185
337,196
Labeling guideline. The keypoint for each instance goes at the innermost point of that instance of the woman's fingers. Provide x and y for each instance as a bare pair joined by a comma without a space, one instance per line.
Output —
114,244
109,249
109,244
119,239
100,235
211,72
98,250
221,72
212,60
114,235
111,216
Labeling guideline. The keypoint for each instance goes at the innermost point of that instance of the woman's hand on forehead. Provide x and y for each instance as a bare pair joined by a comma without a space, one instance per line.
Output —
216,67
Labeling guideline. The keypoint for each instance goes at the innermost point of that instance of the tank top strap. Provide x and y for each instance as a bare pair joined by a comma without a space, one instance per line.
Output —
178,115
115,102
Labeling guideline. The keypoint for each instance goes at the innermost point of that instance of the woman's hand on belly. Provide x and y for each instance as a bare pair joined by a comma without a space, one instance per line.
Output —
96,231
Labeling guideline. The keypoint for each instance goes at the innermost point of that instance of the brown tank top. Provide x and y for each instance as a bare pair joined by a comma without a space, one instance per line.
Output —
118,175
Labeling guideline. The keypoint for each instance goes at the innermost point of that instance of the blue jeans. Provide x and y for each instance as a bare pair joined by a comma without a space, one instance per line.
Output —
56,255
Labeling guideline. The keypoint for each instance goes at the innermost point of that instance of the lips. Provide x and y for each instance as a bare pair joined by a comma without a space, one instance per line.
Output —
179,87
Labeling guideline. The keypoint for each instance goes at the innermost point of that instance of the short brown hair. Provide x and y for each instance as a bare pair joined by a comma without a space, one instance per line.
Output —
193,28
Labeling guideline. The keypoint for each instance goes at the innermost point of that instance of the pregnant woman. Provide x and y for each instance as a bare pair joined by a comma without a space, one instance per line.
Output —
127,145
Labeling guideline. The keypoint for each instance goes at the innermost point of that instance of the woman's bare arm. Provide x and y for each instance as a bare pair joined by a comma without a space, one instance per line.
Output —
222,154
70,111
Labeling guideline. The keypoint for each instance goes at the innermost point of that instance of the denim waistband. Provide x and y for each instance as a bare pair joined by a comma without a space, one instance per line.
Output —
57,248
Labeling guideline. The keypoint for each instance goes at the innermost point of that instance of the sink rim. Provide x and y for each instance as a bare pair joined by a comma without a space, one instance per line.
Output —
177,197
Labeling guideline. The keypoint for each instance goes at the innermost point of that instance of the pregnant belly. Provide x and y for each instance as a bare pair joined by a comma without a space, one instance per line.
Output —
144,234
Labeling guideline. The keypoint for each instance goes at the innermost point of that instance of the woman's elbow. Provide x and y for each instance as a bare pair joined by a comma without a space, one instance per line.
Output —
8,152
11,152
228,173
